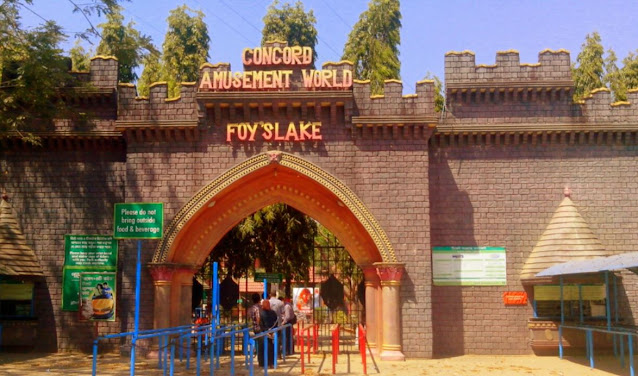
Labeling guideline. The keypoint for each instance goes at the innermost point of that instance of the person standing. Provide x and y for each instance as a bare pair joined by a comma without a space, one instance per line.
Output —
289,317
268,320
255,321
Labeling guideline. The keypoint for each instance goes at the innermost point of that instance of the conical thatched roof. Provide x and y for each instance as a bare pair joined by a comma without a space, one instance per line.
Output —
566,238
16,257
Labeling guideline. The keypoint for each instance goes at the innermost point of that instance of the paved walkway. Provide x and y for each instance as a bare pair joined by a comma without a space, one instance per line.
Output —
349,364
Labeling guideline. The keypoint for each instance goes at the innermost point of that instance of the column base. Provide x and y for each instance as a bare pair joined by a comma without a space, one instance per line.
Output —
392,355
373,349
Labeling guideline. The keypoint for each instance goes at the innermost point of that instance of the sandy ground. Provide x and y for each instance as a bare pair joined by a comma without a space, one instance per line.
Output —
349,364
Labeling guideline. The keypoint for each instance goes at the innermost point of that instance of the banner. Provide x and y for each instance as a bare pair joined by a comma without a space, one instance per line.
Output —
469,266
98,296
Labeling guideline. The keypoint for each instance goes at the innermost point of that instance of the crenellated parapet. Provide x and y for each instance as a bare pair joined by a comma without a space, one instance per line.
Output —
553,70
599,107
394,111
158,116
103,72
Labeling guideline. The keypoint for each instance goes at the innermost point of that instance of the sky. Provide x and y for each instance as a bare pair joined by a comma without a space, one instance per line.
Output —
430,28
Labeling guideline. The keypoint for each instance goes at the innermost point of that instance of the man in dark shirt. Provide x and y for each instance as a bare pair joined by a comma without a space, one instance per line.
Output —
268,321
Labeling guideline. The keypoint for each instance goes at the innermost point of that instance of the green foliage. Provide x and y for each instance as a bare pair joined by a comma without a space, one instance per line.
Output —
588,72
152,73
439,98
33,70
279,235
125,43
185,47
629,71
290,24
80,58
373,44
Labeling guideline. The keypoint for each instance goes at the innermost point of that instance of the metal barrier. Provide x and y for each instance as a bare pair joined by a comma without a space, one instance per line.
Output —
589,342
335,348
362,348
300,341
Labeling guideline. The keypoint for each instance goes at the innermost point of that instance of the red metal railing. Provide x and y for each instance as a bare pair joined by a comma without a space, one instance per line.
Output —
362,348
335,347
301,330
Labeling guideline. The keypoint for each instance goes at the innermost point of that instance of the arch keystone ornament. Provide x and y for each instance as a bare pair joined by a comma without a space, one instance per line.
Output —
390,274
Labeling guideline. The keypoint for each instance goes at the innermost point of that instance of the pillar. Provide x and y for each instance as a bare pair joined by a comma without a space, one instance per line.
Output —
390,274
182,298
373,329
162,280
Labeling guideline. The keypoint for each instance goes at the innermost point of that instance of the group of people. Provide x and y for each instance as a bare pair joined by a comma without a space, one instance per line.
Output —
268,314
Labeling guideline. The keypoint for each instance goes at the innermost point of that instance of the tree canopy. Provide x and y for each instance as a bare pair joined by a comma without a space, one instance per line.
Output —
125,43
185,47
373,44
291,24
588,71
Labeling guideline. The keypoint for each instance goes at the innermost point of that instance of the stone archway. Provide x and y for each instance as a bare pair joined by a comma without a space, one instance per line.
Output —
260,181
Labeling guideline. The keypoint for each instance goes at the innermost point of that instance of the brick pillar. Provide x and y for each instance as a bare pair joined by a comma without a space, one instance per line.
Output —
390,274
373,329
181,300
162,280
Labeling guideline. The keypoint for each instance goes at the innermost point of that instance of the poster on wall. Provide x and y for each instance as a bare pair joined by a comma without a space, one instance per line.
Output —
85,253
304,300
469,266
97,296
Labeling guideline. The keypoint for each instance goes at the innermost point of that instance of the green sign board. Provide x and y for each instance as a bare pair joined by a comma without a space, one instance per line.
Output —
85,253
469,266
138,220
98,297
270,277
90,250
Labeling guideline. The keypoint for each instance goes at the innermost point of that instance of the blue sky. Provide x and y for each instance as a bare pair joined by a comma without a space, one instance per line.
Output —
430,28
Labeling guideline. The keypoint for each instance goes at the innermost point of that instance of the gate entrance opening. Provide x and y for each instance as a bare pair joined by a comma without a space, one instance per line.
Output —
264,180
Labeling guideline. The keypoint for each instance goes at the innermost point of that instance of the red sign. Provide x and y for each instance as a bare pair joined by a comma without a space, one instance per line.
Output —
515,298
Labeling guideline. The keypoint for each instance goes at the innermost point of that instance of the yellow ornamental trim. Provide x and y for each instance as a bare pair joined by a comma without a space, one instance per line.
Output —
361,81
125,84
464,52
103,57
410,96
217,65
600,89
141,98
342,62
507,52
530,64
189,83
486,66
620,103
632,91
393,81
157,84
426,81
173,99
378,96
550,51
580,102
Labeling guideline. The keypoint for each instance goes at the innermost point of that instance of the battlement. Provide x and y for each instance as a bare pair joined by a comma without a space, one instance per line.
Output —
599,107
103,72
157,106
552,70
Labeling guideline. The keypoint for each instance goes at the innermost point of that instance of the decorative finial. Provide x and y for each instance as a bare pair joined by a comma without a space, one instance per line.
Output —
567,192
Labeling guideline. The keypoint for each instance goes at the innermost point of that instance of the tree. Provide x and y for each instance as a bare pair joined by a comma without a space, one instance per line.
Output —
629,72
439,98
588,72
80,58
34,72
290,24
185,47
125,43
373,44
281,237
152,73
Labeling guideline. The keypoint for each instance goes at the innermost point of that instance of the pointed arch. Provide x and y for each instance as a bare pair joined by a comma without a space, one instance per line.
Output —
263,180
